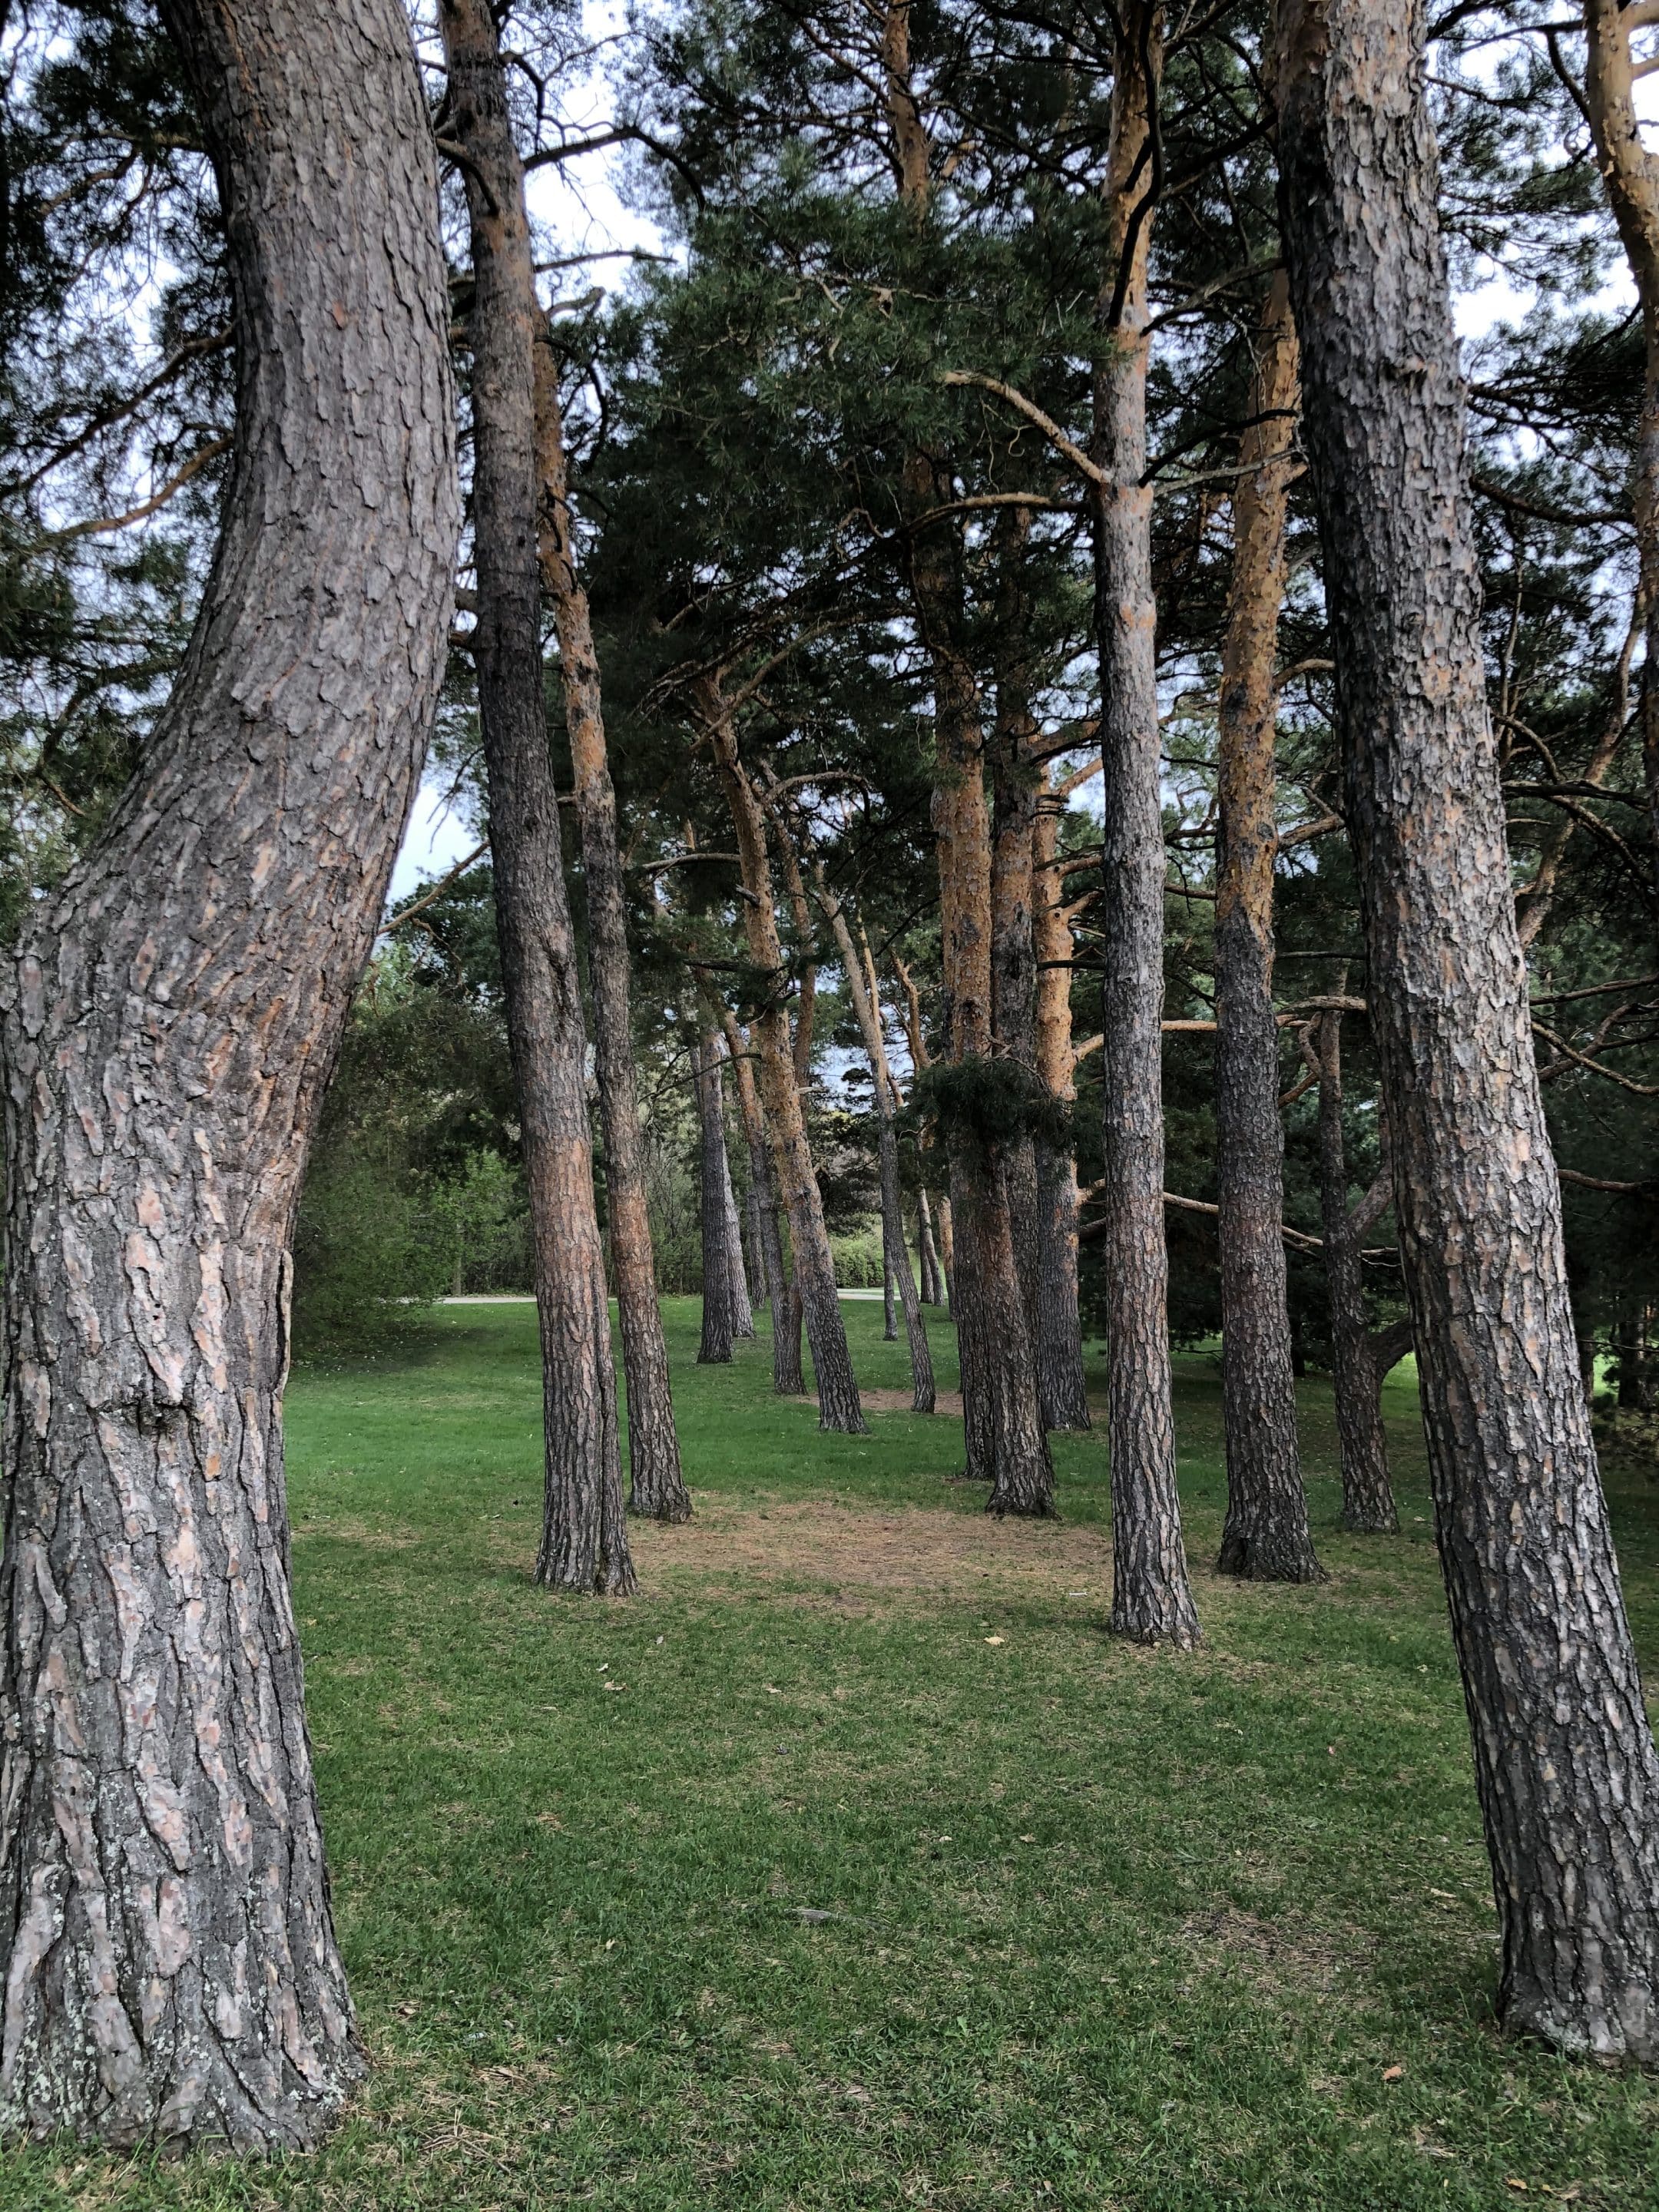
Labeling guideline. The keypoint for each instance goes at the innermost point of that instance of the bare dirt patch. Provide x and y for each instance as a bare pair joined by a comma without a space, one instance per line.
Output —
947,1405
887,1556
1278,1954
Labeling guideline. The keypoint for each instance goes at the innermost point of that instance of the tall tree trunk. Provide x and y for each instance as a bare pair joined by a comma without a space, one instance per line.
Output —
1368,1505
815,1267
947,1251
1061,1385
1005,1441
1565,1759
935,1255
169,1021
657,1487
1013,817
737,1281
889,1307
787,1380
716,1349
1630,172
1151,1597
1266,1537
867,1013
931,1286
584,1532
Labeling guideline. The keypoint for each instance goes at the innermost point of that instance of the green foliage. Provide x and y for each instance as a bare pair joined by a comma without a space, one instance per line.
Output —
858,1262
366,1258
994,1101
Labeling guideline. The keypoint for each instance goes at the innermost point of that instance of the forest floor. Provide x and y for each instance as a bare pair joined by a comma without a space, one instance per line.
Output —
851,1865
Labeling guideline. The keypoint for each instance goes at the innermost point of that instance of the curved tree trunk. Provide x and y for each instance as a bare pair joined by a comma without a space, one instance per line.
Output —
716,1349
1151,1597
170,1020
1266,1537
584,1532
1061,1385
786,1122
1565,1759
657,1488
1368,1506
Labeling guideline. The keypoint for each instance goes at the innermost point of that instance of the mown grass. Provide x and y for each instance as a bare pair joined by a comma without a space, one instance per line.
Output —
1090,1927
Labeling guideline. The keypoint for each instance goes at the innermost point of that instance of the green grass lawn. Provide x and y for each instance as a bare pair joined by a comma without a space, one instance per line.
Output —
852,1865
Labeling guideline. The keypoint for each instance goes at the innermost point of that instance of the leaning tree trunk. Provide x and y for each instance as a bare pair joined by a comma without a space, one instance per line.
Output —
784,1306
716,1349
584,1532
657,1488
1564,1758
1266,1537
815,1269
1061,1385
1368,1505
169,1021
1151,1597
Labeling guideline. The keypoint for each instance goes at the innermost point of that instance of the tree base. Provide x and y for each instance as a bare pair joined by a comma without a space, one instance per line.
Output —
1250,1562
1026,1504
673,1512
1178,1627
1359,1522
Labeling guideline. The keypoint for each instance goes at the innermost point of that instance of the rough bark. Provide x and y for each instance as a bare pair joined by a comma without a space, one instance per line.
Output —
888,1304
715,1348
1151,1597
786,1122
866,1012
1565,1759
1266,1537
169,1020
1368,1505
782,1304
1061,1387
657,1483
584,1542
